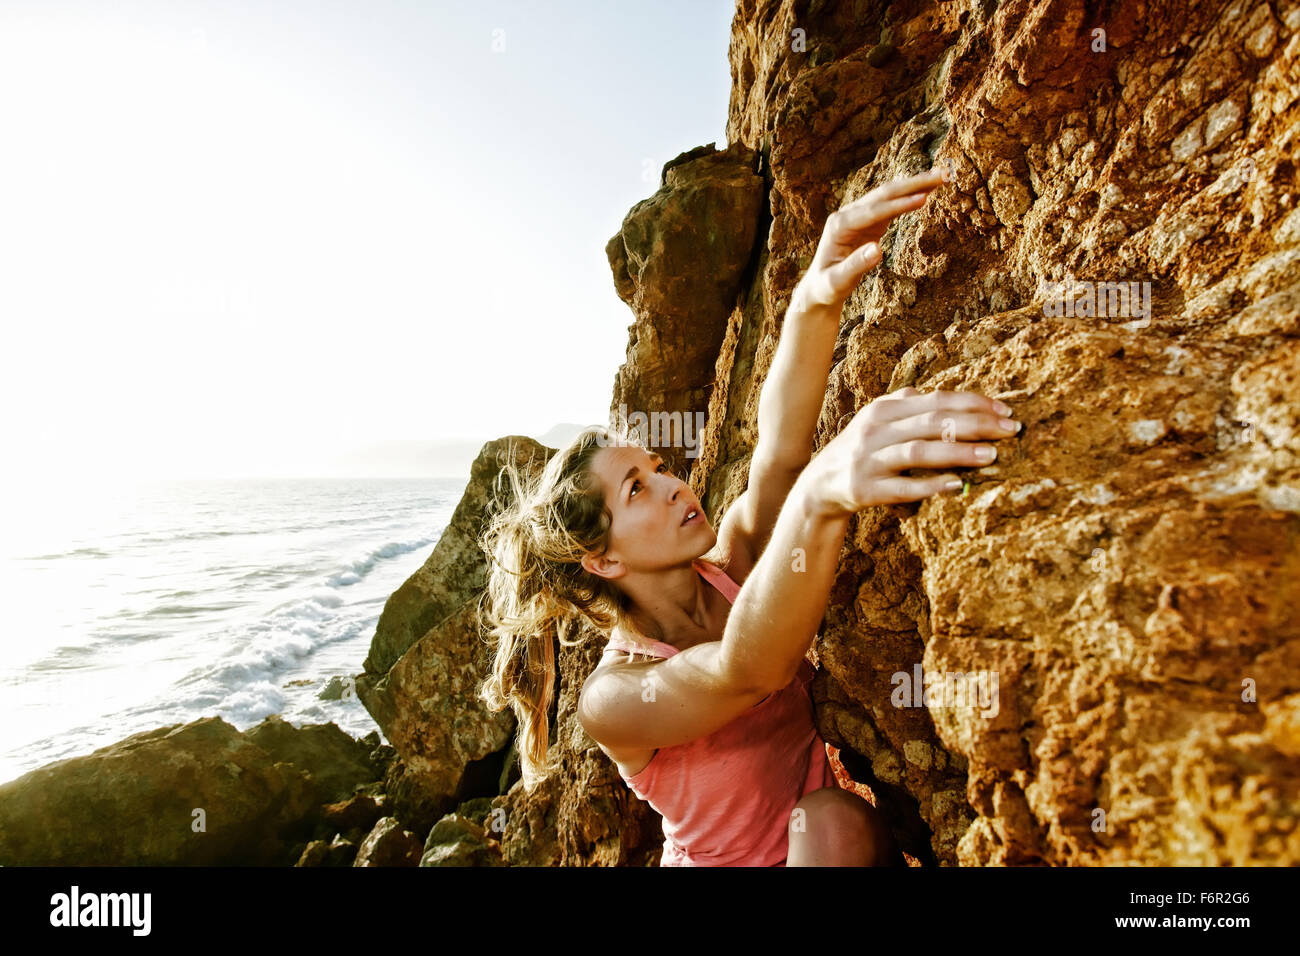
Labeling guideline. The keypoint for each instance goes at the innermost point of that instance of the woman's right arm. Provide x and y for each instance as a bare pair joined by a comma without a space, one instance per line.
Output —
779,609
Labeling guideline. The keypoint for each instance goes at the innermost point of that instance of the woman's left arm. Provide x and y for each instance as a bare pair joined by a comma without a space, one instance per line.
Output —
792,395
795,388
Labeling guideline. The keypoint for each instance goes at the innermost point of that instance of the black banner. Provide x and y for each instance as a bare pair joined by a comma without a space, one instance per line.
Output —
931,905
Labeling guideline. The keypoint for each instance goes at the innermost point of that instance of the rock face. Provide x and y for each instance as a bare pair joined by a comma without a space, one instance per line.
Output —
1129,568
679,261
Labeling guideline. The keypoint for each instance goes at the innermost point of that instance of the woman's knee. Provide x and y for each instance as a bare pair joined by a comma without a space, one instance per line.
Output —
831,810
834,820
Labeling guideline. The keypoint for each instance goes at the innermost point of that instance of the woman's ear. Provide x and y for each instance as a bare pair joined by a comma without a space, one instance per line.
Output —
601,566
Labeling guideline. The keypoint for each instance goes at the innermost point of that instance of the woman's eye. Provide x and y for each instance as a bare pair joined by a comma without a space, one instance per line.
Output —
637,481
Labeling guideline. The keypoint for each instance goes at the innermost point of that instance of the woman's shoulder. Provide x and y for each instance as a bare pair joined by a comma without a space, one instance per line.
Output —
612,657
612,662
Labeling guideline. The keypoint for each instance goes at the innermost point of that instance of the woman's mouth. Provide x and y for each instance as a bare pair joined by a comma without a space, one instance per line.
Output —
693,517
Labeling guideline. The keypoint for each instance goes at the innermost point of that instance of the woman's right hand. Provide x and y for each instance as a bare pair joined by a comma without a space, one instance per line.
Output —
860,467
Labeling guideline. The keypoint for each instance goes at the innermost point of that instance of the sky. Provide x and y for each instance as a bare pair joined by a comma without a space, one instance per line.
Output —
249,239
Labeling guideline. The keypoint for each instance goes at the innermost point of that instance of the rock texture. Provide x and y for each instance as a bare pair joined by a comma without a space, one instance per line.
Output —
679,261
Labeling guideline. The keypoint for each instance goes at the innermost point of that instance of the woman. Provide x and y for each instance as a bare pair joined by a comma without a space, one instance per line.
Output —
701,697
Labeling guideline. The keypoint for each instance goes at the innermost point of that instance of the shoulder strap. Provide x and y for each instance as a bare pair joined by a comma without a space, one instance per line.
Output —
654,648
719,579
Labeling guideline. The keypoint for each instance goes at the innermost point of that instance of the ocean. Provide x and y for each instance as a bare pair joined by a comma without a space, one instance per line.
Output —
135,605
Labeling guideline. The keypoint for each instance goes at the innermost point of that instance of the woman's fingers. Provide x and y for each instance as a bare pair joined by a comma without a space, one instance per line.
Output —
849,244
847,273
930,179
909,190
897,491
931,430
895,405
889,200
876,211
919,453
950,426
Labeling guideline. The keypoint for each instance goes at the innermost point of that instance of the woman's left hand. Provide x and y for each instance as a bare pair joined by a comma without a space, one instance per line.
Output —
850,243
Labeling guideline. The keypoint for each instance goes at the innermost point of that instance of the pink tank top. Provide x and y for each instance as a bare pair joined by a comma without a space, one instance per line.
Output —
726,799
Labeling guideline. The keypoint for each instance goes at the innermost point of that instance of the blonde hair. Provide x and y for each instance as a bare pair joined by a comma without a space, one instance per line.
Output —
537,589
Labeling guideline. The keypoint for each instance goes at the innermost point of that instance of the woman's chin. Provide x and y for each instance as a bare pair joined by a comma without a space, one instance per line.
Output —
701,532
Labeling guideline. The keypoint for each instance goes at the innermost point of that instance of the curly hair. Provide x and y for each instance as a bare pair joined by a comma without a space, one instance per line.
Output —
537,589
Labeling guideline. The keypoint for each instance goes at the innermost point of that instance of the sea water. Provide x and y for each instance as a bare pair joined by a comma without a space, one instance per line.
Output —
140,604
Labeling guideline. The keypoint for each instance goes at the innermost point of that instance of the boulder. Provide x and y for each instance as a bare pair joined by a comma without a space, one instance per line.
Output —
197,794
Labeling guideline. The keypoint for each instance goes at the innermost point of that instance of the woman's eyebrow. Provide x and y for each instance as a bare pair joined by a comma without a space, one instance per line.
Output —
635,470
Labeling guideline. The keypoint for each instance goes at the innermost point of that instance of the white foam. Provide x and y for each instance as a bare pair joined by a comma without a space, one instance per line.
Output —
359,569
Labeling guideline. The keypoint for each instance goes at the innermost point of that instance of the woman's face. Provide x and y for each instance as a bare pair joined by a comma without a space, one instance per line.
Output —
648,502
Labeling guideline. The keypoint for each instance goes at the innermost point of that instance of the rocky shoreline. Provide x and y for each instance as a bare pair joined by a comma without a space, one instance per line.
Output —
205,794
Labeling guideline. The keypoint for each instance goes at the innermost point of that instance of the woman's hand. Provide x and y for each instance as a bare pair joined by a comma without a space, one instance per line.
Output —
861,466
850,243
